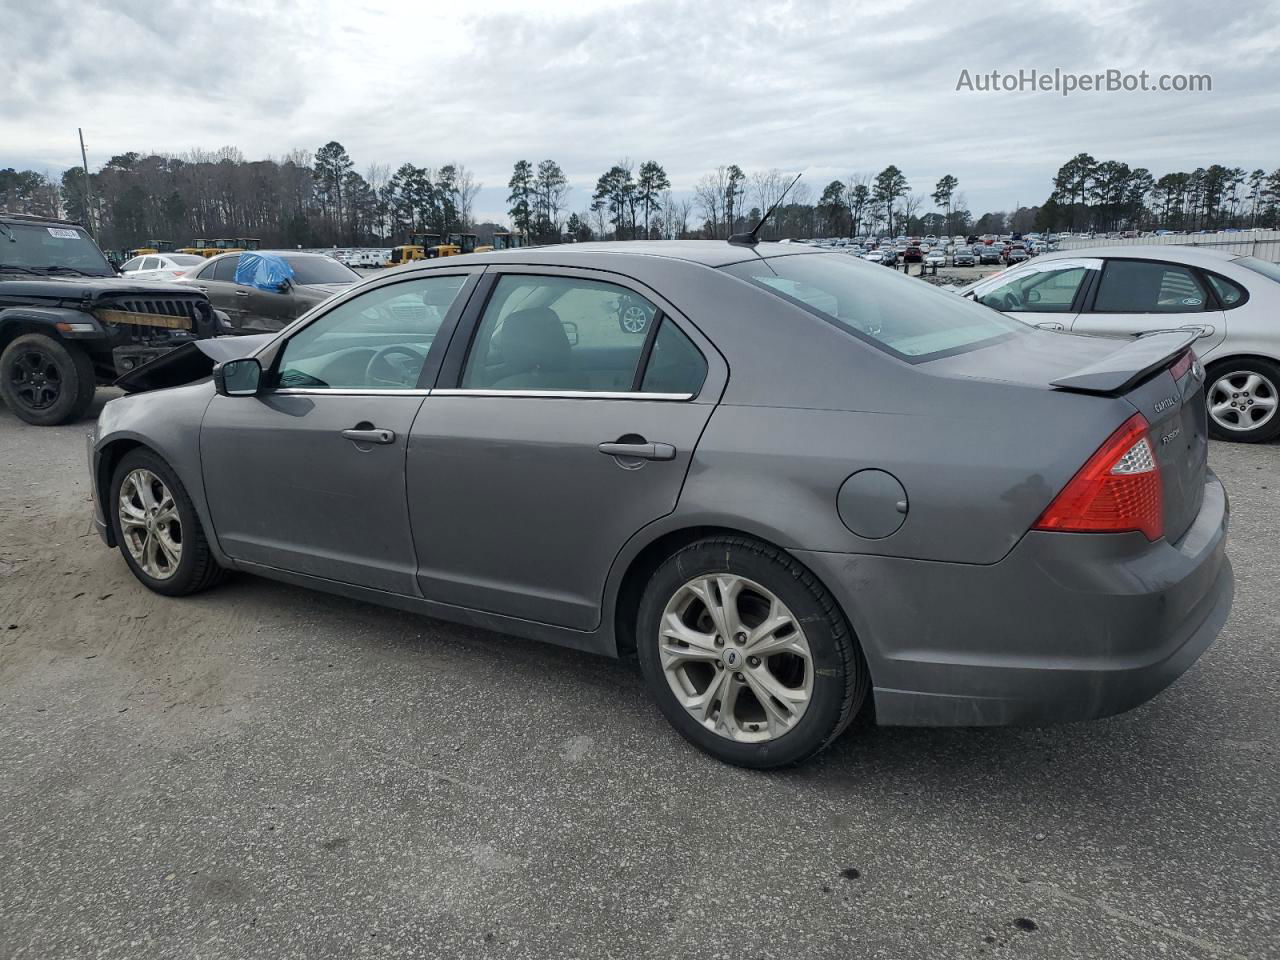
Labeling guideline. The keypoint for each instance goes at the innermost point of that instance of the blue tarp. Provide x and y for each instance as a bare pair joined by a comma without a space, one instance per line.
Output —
266,271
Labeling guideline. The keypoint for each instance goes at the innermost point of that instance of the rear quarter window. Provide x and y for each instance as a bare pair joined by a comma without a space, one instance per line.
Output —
907,318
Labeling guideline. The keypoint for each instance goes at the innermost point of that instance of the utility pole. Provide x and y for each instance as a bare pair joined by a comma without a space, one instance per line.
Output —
88,190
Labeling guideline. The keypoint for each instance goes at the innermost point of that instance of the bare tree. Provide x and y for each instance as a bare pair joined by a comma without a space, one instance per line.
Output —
465,189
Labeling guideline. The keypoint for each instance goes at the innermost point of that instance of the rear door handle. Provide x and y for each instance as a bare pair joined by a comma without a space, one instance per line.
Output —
242,293
639,451
376,435
1203,329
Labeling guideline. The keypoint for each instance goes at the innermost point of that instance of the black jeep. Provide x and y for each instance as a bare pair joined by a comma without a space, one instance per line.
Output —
68,322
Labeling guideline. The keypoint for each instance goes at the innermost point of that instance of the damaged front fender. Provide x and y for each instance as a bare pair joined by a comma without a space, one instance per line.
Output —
190,362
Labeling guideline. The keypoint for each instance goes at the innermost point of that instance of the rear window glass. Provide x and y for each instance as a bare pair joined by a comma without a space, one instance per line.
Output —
908,318
1264,267
320,270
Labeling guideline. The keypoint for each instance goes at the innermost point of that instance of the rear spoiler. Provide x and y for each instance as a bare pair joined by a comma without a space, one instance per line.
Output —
1128,366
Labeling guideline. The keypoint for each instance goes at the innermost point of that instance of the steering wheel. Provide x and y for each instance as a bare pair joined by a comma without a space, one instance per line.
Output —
396,366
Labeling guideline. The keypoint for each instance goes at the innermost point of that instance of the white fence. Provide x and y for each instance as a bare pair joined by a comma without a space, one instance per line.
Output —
1263,244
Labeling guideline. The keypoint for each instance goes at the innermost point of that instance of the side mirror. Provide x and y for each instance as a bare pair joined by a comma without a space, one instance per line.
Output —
237,378
285,285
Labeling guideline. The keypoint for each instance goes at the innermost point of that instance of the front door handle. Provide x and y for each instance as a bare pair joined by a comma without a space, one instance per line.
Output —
374,435
639,451
242,293
1202,329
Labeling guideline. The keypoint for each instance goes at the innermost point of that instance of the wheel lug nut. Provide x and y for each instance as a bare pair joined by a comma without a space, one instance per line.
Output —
719,641
739,677
753,661
740,638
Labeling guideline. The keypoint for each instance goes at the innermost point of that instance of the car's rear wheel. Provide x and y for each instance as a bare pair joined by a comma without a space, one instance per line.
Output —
157,527
747,654
1244,400
45,381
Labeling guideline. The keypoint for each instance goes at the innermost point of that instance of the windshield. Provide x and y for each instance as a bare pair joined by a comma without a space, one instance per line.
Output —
320,270
909,319
1264,267
38,247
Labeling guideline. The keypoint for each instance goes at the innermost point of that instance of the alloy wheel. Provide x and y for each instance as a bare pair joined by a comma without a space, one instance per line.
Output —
35,379
150,524
736,658
1243,400
634,318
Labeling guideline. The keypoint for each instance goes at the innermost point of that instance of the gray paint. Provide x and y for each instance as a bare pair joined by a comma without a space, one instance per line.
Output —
500,512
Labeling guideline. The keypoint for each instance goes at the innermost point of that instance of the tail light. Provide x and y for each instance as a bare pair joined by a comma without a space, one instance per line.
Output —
1182,365
178,273
1118,489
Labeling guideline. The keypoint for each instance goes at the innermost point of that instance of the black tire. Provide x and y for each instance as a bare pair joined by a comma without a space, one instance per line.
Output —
46,381
1269,372
840,677
196,569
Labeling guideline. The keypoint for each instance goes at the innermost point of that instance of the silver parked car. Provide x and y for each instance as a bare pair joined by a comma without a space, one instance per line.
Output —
1232,302
160,266
804,482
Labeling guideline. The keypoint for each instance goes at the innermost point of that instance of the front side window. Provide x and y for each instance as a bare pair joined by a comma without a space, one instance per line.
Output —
151,263
1146,286
559,334
911,320
134,264
376,341
1036,291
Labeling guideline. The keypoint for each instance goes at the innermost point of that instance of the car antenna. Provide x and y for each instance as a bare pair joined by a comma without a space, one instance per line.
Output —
749,239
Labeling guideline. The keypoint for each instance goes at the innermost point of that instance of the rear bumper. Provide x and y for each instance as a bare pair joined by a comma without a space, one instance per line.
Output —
1066,627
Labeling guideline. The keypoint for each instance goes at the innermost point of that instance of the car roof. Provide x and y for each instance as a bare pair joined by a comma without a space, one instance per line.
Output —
32,218
1172,252
710,253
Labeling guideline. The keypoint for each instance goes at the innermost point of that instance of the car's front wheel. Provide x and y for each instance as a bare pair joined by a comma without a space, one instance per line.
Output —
747,654
157,528
1244,400
46,381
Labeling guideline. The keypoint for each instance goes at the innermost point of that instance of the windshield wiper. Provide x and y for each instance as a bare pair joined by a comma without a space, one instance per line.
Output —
59,266
7,267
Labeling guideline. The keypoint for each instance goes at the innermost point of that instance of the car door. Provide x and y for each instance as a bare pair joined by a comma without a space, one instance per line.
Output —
267,311
1133,297
560,426
309,475
217,280
1045,294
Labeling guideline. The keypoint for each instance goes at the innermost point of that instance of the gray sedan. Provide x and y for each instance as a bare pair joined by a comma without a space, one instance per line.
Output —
250,309
801,486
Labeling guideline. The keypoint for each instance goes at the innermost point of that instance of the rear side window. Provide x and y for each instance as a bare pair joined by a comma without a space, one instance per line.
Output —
559,334
675,364
911,320
1228,294
1145,286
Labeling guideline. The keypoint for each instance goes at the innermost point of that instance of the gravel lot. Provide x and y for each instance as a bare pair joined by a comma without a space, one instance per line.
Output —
261,771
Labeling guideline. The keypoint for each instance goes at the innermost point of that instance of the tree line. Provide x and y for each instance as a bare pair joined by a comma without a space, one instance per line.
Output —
320,199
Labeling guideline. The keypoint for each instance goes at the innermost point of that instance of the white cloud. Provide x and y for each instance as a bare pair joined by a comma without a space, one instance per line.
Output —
828,87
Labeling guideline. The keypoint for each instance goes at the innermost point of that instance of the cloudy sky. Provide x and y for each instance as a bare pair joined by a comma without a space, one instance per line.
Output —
830,88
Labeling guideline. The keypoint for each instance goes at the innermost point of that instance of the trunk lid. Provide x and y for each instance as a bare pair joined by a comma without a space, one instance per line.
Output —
1138,371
